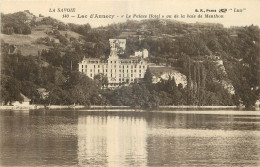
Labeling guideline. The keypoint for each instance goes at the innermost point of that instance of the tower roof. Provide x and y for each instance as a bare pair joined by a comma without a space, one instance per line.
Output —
113,54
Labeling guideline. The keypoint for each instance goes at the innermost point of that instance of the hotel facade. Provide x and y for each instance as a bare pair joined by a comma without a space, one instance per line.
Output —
117,70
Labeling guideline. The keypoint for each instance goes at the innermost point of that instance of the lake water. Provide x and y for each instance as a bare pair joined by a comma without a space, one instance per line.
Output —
71,138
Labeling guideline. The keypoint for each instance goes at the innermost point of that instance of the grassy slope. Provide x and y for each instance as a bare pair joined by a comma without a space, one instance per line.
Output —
26,43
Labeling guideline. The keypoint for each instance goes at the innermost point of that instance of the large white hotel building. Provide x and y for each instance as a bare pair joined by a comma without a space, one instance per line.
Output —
118,71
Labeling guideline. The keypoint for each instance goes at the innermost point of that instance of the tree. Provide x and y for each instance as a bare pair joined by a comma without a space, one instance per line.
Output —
245,73
70,61
26,30
103,80
141,96
148,77
29,89
189,83
62,39
59,78
202,86
10,89
82,88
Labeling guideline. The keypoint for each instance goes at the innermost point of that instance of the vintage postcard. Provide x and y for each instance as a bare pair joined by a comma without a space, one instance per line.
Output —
130,83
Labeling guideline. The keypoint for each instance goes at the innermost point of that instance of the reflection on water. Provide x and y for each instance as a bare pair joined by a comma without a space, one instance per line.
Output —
36,139
54,138
203,140
112,141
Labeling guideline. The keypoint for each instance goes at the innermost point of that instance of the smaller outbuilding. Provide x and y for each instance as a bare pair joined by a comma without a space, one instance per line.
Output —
25,104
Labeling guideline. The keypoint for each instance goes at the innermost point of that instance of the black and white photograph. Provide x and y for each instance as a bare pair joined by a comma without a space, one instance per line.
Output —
109,83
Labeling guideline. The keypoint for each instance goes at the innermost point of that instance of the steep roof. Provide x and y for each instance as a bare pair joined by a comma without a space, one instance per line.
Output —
25,99
160,70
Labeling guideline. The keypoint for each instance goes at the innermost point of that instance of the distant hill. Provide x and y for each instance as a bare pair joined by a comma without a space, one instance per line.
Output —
44,33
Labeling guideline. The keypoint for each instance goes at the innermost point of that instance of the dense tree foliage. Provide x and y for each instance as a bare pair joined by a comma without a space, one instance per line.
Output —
208,54
64,84
15,23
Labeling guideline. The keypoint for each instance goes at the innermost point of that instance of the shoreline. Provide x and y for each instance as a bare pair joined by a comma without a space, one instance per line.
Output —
209,110
36,107
213,110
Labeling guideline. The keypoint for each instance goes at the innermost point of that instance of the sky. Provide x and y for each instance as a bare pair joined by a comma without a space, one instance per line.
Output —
250,10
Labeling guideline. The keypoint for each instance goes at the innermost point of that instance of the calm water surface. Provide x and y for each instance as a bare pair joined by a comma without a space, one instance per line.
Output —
70,138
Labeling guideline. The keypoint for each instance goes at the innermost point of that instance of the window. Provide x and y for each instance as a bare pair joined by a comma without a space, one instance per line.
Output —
115,61
119,75
106,70
90,75
119,70
140,71
86,70
115,66
131,71
86,66
82,66
111,75
98,70
135,70
143,66
119,66
90,70
111,61
119,79
135,66
98,66
127,66
127,71
131,66
82,70
140,75
140,66
94,66
131,75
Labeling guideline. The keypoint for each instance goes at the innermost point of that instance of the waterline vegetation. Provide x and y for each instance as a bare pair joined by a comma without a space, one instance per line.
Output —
191,52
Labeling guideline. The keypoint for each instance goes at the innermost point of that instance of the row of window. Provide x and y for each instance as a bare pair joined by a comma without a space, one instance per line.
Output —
86,66
140,71
140,75
124,79
131,71
123,61
91,75
127,62
115,66
127,75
